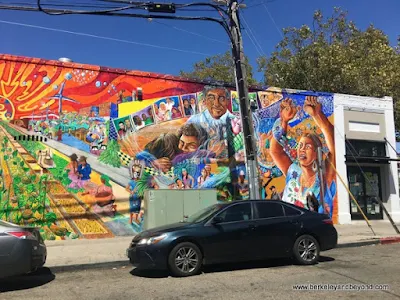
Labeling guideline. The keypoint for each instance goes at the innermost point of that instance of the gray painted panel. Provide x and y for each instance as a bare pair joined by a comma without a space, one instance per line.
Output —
357,116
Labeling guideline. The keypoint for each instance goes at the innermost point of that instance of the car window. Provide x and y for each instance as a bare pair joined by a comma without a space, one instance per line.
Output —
238,212
290,211
203,214
269,210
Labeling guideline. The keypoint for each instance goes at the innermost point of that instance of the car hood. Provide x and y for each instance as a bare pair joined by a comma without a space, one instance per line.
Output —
162,229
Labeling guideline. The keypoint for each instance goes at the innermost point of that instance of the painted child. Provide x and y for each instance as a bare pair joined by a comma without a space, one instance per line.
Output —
135,170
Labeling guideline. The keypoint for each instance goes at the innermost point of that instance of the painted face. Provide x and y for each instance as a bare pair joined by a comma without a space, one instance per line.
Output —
216,103
121,125
136,172
127,123
192,101
179,183
188,143
306,152
184,172
186,103
204,172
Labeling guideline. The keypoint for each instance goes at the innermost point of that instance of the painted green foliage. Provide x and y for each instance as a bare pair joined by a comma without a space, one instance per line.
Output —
25,201
110,155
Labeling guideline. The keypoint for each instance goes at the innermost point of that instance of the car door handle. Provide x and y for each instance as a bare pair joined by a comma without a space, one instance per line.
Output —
252,227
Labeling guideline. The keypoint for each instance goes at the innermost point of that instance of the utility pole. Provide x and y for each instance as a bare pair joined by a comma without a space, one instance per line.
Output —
242,89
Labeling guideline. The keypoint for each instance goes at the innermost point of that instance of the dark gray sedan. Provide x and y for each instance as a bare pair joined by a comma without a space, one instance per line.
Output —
22,249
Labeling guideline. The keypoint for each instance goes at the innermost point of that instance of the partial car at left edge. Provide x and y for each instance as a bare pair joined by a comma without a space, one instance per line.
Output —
22,249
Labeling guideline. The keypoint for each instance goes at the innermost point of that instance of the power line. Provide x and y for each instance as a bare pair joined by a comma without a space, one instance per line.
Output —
261,3
273,21
255,42
103,37
190,32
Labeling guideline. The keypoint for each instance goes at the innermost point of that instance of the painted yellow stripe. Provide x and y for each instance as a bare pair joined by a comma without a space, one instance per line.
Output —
127,108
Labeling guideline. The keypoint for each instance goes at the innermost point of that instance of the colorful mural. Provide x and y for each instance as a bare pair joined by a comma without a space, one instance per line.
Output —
99,149
291,127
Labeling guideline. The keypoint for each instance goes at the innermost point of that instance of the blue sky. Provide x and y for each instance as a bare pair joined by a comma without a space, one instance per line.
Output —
195,39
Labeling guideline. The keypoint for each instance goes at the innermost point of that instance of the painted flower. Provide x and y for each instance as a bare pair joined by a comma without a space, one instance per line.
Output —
296,189
293,153
299,203
299,132
295,175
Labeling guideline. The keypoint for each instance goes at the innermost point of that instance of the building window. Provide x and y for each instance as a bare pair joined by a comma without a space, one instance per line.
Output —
365,148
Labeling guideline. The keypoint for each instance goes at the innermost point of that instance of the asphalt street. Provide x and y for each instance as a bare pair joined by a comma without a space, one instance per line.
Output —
364,268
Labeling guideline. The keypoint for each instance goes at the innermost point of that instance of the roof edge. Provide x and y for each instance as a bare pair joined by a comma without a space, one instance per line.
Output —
76,65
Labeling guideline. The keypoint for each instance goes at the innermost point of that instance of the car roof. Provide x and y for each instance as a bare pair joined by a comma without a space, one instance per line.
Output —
269,201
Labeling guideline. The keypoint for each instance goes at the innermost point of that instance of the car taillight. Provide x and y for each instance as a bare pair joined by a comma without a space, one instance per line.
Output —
20,234
328,221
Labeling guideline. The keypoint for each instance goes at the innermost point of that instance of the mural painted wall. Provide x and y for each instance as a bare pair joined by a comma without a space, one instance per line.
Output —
99,150
291,127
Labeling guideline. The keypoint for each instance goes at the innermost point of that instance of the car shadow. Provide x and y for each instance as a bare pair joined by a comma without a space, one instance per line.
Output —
40,277
229,267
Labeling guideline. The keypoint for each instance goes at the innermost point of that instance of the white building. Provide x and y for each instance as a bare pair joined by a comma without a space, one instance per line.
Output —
366,157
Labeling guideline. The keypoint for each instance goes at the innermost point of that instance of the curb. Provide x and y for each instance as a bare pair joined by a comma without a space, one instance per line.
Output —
359,244
379,241
126,263
81,267
390,240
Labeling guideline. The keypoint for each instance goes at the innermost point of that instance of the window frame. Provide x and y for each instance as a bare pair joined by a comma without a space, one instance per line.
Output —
257,214
294,208
230,206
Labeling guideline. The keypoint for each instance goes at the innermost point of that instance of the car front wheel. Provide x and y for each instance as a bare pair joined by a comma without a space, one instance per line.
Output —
306,250
185,259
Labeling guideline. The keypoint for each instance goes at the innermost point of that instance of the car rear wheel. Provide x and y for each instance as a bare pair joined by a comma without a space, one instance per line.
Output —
306,250
185,259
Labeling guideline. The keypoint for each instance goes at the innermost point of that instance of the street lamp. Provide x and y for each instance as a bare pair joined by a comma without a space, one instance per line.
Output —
229,21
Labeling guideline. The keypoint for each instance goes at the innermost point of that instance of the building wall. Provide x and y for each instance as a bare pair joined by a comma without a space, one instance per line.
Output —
377,115
139,146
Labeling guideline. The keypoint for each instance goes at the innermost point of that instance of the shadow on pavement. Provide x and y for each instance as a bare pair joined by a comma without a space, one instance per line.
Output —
29,281
229,267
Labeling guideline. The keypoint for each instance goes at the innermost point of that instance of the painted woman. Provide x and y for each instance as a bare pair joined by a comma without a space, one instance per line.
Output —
73,174
302,173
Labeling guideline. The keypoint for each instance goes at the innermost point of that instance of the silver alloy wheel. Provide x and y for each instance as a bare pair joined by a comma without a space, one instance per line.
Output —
186,260
307,249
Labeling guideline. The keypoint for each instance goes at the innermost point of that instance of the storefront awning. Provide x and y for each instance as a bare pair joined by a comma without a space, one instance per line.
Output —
370,159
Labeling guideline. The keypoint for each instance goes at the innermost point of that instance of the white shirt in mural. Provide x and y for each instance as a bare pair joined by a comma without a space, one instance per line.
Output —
205,118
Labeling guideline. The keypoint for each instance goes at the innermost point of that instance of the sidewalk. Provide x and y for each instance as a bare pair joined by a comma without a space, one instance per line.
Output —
81,254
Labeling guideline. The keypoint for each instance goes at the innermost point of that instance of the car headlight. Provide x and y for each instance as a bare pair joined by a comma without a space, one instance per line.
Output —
153,240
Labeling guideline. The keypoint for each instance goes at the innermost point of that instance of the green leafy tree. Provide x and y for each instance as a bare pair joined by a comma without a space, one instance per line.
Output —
333,55
110,155
218,68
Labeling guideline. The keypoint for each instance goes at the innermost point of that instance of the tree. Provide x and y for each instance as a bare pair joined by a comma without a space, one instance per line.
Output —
335,56
110,155
218,68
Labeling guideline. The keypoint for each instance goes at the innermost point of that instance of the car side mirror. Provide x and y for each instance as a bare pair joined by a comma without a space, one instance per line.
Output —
216,220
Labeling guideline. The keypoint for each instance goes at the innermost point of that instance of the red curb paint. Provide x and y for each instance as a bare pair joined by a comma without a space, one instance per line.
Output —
390,240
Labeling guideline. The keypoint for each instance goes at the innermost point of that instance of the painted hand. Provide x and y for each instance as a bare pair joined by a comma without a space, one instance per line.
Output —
327,209
163,164
236,125
288,110
312,106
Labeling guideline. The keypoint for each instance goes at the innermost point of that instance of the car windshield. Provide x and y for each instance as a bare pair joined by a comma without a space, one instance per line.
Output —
203,214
